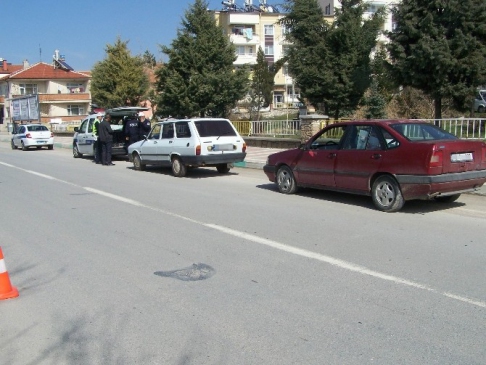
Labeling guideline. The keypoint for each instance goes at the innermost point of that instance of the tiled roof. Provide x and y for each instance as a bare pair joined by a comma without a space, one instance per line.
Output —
43,70
10,69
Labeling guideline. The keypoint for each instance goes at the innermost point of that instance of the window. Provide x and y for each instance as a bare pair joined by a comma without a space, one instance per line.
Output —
269,50
285,30
327,10
425,131
168,130
213,128
182,130
285,50
27,89
155,134
75,87
251,50
268,29
240,50
75,110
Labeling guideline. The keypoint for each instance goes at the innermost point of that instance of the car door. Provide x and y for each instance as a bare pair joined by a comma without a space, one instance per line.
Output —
82,136
359,158
20,133
166,145
316,164
148,148
184,144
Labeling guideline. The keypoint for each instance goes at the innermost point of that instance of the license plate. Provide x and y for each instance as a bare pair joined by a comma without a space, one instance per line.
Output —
223,147
41,142
462,157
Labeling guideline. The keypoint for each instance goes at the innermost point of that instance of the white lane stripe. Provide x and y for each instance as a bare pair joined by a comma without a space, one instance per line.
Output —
280,246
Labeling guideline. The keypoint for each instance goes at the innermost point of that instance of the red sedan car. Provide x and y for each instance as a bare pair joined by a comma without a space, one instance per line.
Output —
391,160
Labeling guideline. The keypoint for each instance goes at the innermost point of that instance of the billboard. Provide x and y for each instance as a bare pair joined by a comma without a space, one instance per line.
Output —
25,108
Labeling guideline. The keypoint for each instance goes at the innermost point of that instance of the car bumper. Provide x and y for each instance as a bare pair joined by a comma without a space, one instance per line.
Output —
212,160
29,142
414,186
270,171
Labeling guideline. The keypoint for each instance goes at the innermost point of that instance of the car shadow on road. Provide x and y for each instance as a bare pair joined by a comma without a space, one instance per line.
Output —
363,201
192,173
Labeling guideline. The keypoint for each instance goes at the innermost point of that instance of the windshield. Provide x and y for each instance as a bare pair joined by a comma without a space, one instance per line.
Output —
483,94
422,132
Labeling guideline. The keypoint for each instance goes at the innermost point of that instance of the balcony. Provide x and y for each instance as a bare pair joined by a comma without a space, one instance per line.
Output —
61,98
242,40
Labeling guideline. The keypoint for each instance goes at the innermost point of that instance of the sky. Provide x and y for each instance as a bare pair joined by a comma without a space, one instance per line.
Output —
33,29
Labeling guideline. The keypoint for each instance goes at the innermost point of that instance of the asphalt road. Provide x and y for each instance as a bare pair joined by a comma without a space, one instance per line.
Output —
126,267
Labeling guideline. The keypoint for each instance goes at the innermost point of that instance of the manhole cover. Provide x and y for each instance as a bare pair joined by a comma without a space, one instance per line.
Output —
191,273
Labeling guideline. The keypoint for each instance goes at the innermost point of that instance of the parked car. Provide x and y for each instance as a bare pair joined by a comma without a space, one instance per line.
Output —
185,143
83,140
480,101
393,161
32,135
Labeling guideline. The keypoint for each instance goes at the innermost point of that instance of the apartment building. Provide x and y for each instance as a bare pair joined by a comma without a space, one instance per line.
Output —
250,27
62,94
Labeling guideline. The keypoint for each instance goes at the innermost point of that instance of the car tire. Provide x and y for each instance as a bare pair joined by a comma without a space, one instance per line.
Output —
137,163
447,199
12,144
178,168
386,194
38,147
24,148
286,181
76,153
480,109
223,168
50,147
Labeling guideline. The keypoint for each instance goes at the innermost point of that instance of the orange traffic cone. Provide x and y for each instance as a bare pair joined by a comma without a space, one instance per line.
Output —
7,291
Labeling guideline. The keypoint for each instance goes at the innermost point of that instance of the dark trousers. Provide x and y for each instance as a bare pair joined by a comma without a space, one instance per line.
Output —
97,151
106,152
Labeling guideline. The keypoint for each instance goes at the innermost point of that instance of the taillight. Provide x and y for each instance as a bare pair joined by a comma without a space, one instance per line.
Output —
28,135
52,134
198,150
436,159
244,147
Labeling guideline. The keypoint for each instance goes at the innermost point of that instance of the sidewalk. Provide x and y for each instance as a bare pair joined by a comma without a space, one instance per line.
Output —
255,156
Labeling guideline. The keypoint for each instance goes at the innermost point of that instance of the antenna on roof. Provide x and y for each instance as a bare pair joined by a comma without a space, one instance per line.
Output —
40,53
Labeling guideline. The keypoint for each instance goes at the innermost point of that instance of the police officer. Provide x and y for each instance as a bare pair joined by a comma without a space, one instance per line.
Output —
132,131
97,143
144,125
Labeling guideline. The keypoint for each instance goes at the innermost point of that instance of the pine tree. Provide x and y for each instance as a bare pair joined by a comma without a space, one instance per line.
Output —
119,79
199,79
331,62
439,47
262,83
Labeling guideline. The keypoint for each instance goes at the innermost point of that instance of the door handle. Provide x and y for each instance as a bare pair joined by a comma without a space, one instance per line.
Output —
375,156
331,155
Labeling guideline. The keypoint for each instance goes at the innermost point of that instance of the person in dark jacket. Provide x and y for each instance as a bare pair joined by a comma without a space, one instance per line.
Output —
145,126
105,134
132,131
97,143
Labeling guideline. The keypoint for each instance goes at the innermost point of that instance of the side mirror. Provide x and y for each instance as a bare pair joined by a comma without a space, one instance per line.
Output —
76,129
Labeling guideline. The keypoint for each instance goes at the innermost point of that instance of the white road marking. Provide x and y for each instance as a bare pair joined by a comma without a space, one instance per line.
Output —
274,244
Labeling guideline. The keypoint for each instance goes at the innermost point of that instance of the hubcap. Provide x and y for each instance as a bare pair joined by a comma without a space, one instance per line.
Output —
385,194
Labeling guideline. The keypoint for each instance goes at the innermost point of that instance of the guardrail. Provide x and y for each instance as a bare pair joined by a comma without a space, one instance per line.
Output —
467,128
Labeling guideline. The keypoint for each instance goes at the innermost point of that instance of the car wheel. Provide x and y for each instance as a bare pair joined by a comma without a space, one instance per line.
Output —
447,199
137,163
76,153
50,147
12,144
223,168
285,180
24,148
178,168
480,109
386,194
38,147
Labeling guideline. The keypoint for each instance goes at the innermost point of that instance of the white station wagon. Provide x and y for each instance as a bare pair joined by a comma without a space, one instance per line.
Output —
32,135
184,143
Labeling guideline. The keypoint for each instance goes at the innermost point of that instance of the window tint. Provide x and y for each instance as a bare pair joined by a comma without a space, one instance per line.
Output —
36,128
214,128
90,125
364,137
182,130
421,132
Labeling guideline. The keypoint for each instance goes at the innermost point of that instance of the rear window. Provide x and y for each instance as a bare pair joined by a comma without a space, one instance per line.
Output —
422,132
214,128
37,128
